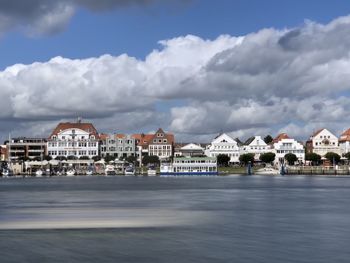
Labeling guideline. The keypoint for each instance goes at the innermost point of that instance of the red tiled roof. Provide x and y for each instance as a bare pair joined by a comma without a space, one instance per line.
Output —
104,136
119,136
145,139
88,127
280,137
345,136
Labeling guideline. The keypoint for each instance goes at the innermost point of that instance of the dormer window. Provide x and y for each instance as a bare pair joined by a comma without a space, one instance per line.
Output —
92,137
160,135
54,137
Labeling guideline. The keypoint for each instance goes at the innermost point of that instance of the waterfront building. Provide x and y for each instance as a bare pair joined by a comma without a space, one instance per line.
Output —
73,139
224,144
190,166
344,142
322,142
3,153
283,144
160,144
190,149
26,148
255,145
117,145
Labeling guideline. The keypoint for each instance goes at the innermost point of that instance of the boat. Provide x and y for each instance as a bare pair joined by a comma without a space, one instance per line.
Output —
70,172
7,172
110,170
190,166
267,171
39,173
130,170
89,172
152,171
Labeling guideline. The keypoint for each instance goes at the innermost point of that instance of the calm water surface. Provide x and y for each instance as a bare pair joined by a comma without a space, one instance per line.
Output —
185,219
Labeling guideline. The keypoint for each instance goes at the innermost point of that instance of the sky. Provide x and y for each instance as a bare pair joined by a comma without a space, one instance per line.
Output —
193,67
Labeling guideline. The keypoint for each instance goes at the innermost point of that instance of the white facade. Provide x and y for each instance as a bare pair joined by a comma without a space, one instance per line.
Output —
324,141
344,142
72,142
344,147
284,146
224,144
256,146
190,149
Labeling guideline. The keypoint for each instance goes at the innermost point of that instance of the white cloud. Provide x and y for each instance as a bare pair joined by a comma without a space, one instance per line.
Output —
261,82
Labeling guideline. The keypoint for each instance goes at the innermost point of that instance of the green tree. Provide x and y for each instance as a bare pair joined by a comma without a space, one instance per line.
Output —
314,158
268,139
96,158
222,159
84,157
72,157
347,155
147,159
47,158
333,157
109,158
268,157
61,158
131,159
246,158
291,158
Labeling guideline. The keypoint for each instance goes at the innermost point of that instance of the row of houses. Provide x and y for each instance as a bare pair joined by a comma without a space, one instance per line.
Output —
81,139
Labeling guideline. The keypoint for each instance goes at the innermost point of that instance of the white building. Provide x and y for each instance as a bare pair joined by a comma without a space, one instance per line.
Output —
73,139
344,142
223,144
323,141
255,145
190,149
282,145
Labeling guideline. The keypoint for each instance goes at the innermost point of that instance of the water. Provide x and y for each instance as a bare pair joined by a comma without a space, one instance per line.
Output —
186,219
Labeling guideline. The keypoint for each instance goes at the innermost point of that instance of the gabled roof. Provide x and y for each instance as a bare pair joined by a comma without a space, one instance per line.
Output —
88,127
345,136
280,137
317,132
239,142
145,139
249,140
192,146
223,137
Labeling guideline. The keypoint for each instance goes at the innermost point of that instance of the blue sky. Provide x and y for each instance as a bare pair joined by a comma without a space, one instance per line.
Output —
246,67
136,30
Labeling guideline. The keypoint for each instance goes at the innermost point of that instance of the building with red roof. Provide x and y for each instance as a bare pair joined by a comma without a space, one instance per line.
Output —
73,139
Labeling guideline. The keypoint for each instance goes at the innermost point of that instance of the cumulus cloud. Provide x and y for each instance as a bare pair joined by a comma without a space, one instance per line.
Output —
293,80
49,17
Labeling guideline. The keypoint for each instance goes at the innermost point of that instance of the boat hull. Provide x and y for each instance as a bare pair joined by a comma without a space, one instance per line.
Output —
188,173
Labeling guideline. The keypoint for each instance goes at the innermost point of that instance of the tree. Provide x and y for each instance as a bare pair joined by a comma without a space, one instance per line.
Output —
147,159
72,157
131,159
313,157
267,157
96,158
291,158
268,139
84,157
333,157
109,158
347,155
246,158
47,158
61,158
222,159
